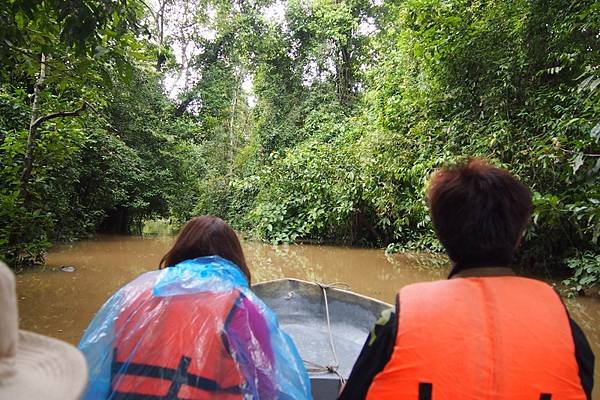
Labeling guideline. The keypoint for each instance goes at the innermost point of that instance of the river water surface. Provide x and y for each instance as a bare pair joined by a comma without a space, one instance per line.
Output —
61,304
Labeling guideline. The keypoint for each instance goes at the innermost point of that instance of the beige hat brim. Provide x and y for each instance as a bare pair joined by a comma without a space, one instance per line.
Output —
46,369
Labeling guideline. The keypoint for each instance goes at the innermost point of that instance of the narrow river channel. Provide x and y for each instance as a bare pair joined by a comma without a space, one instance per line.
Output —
61,304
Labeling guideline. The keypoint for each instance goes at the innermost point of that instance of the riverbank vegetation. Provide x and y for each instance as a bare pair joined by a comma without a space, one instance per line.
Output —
296,120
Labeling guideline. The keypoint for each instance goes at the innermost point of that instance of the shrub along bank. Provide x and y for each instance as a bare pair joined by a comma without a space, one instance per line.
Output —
353,104
513,81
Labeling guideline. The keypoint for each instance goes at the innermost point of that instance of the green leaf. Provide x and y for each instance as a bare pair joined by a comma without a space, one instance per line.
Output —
100,51
106,78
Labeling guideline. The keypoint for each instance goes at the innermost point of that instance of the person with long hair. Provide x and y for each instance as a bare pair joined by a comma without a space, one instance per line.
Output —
192,330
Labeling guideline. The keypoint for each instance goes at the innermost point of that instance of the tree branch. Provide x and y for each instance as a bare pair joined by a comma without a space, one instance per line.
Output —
580,152
182,107
28,53
59,114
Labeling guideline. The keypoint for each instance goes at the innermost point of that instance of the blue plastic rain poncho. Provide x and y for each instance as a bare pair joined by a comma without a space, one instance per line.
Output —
191,331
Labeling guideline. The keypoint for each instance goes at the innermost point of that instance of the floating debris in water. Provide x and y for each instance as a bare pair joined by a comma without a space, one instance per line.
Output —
289,295
67,268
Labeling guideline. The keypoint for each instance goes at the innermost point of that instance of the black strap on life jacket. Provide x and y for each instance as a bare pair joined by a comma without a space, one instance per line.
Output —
178,378
425,391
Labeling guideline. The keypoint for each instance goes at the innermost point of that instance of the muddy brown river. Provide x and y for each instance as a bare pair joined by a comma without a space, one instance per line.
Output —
61,304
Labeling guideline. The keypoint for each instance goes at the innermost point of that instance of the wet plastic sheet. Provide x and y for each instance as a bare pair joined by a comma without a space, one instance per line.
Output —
191,331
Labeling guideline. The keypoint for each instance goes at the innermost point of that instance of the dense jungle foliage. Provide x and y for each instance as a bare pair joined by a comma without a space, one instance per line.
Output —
296,120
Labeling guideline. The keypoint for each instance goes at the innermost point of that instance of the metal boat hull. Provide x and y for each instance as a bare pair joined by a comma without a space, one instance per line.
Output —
301,310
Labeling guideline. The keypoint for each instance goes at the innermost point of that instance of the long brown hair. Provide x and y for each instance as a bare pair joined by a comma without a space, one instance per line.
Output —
206,236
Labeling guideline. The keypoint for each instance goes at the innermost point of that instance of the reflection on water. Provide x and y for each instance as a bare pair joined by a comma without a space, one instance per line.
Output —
61,304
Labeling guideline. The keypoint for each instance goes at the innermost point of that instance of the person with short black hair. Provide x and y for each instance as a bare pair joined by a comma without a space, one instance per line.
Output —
484,332
479,213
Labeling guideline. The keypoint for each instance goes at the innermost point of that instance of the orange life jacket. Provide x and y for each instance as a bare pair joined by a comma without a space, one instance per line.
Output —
481,338
173,348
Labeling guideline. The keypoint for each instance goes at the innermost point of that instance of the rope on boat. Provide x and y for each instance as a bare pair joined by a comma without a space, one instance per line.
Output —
333,368
316,368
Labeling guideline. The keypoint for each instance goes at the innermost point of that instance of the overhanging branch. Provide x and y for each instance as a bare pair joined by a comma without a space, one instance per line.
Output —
58,114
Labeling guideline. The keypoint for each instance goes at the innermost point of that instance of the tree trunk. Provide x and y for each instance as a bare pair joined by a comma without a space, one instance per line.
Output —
344,74
35,122
232,124
35,110
160,26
